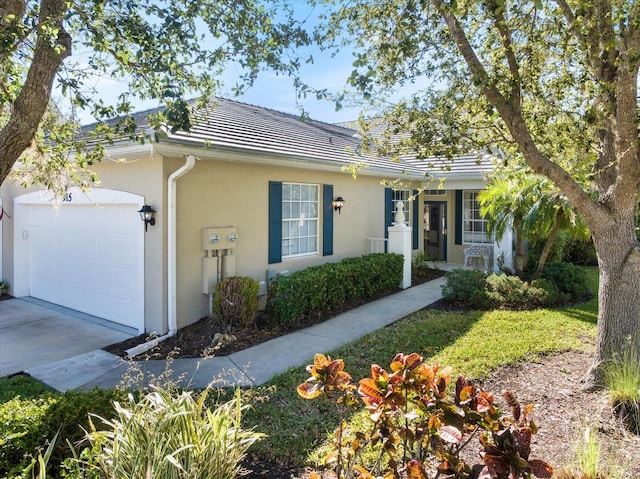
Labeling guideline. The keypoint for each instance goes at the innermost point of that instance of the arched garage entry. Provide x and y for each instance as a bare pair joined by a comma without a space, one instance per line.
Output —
85,253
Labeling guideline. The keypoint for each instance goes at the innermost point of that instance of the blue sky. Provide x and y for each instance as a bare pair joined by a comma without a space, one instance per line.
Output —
277,92
271,91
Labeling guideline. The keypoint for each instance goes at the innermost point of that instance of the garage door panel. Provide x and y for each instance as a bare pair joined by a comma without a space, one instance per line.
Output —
88,258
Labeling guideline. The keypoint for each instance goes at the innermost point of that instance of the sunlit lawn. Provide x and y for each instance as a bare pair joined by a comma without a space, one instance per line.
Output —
473,343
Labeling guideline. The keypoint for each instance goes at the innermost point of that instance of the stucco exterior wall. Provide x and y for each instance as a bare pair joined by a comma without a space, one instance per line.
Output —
228,190
222,193
138,172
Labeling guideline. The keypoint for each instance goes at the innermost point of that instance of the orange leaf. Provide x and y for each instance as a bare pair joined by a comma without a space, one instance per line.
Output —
446,373
466,394
364,474
483,404
415,470
369,388
320,361
412,361
377,372
396,366
331,459
335,366
309,390
342,378
428,372
540,468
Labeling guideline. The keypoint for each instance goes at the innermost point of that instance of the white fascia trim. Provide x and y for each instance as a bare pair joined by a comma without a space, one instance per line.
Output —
275,160
458,184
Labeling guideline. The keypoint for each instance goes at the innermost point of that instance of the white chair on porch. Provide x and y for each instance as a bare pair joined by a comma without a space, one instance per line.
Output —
476,252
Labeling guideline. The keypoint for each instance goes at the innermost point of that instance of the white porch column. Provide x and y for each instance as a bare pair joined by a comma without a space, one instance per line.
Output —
400,242
504,247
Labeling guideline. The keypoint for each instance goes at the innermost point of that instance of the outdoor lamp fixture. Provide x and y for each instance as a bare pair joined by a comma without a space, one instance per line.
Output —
146,215
338,203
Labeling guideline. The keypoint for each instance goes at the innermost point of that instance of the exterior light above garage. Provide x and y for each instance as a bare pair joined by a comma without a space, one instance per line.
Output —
146,215
338,203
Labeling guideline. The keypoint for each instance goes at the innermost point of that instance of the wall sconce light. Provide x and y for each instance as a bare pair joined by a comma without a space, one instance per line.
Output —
146,215
338,203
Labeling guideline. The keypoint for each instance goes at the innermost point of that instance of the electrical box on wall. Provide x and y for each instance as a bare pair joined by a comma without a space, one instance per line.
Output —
219,238
209,274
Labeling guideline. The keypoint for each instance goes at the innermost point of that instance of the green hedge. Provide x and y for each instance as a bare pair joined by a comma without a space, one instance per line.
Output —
329,286
28,424
560,283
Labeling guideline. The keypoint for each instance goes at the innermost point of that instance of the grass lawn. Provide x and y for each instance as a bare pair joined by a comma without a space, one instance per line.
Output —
473,343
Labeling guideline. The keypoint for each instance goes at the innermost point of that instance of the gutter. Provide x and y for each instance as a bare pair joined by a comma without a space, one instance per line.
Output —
172,310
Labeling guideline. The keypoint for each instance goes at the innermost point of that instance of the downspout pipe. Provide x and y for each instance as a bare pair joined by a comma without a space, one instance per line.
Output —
172,309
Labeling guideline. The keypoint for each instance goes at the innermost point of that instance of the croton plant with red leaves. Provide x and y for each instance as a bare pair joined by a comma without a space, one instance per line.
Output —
419,427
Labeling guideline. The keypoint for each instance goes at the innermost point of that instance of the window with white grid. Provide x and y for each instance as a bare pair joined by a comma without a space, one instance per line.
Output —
299,219
402,195
474,225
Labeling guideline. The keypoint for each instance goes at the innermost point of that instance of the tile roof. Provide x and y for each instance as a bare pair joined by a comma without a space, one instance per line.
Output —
235,126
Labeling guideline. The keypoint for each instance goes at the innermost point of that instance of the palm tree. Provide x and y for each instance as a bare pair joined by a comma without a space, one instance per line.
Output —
537,210
502,204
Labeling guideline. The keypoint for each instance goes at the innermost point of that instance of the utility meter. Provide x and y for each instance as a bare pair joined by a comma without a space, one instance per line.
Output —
219,238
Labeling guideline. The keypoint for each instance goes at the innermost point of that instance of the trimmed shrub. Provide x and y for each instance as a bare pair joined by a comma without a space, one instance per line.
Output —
476,289
510,292
467,287
26,425
554,295
569,279
328,287
235,302
23,428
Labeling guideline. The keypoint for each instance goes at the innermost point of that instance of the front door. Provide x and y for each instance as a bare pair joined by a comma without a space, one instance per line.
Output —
435,230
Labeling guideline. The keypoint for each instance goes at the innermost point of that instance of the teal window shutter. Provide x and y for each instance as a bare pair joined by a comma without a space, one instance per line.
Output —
275,222
416,217
459,226
388,212
327,220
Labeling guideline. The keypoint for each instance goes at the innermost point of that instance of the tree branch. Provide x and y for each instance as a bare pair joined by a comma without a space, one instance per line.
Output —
500,23
514,121
33,99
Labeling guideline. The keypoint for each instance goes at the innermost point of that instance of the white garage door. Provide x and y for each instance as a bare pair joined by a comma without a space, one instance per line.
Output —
89,258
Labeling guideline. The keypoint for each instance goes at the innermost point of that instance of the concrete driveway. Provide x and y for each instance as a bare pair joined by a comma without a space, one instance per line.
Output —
34,333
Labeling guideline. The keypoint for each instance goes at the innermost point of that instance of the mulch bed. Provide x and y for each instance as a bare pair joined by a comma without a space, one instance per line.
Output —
194,341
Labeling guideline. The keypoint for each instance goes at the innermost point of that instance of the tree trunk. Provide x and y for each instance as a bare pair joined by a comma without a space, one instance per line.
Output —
611,218
619,296
547,246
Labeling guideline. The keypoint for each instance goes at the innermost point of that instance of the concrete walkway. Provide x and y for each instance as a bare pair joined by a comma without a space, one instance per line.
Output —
35,333
252,366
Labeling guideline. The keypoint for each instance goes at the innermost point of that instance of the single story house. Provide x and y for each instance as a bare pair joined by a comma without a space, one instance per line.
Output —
248,191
